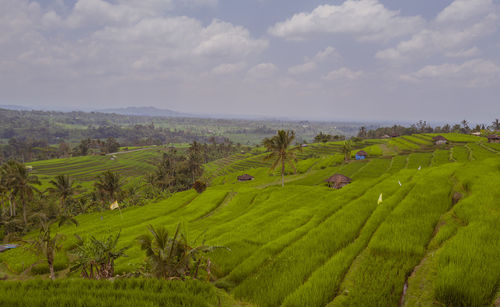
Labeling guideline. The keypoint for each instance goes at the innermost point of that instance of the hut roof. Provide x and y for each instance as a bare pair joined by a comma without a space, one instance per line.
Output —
493,137
439,138
339,178
362,153
245,177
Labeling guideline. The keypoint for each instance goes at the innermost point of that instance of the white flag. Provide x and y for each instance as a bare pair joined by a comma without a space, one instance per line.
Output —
419,167
379,199
114,206
400,183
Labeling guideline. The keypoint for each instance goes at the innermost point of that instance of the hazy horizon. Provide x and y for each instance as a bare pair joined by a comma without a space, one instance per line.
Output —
354,60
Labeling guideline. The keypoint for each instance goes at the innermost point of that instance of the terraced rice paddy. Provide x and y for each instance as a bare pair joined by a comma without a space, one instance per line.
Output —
309,245
87,168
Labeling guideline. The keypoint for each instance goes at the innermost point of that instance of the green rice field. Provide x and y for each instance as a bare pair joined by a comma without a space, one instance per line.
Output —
304,244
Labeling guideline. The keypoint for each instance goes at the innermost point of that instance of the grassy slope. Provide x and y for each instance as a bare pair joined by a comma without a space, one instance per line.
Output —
306,244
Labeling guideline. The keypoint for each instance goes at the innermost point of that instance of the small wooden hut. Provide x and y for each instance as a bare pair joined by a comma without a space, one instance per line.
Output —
245,177
338,181
440,140
493,138
361,155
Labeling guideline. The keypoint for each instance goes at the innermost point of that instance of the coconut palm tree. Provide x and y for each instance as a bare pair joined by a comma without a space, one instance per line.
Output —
95,258
19,180
109,185
280,151
496,124
164,253
63,189
45,243
346,149
171,256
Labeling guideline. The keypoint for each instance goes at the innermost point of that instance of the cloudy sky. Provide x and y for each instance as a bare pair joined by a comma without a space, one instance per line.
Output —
353,59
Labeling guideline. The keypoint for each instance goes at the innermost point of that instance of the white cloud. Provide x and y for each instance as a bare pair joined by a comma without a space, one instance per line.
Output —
472,73
464,53
366,19
228,68
344,73
262,70
222,38
124,39
329,54
460,10
454,30
302,68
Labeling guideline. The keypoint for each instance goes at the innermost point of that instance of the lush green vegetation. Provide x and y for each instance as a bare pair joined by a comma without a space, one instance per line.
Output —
121,292
433,240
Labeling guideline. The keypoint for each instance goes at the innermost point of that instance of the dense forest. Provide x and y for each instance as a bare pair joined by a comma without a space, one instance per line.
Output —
39,135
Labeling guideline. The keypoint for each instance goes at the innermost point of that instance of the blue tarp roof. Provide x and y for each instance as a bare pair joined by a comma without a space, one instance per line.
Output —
5,247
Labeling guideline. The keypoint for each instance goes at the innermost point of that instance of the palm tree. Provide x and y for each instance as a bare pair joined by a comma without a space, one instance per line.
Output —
496,124
346,149
280,151
171,256
195,160
465,125
96,258
362,132
46,244
109,185
4,192
164,253
63,189
19,180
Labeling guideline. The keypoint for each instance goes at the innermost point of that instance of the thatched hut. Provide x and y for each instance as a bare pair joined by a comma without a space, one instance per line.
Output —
245,177
338,181
440,140
493,138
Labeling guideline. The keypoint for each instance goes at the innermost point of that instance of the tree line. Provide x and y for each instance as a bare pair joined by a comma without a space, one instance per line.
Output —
464,127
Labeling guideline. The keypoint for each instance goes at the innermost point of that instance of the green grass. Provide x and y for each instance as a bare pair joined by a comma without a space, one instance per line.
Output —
460,153
120,292
440,157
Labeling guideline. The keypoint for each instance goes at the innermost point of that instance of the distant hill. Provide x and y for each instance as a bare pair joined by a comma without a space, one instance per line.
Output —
15,108
145,111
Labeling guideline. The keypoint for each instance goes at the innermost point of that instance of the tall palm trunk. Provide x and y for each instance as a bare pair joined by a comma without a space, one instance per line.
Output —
50,262
282,172
12,210
25,218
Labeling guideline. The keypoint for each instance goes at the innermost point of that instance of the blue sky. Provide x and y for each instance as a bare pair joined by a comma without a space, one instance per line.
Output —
357,59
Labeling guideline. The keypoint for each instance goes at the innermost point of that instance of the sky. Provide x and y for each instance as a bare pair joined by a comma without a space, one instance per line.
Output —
391,60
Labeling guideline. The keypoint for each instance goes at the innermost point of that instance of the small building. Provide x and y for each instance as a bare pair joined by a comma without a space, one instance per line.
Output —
476,133
338,181
440,140
386,136
245,177
493,138
303,145
6,247
361,155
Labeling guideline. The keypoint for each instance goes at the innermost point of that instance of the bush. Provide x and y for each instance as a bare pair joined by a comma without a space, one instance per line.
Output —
199,186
